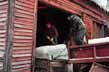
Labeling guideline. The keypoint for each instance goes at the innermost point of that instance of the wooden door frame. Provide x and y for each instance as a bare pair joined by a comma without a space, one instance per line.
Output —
34,35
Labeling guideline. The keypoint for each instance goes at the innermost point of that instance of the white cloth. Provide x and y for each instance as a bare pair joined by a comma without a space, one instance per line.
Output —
52,52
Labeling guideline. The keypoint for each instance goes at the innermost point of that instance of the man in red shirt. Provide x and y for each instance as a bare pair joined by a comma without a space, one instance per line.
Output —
51,33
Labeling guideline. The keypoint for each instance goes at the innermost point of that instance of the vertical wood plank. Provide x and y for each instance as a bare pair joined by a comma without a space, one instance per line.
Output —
9,35
34,35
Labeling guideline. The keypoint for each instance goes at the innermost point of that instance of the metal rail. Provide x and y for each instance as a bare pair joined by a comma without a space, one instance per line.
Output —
89,53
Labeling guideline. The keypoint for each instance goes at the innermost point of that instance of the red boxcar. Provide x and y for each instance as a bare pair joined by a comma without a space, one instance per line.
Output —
18,28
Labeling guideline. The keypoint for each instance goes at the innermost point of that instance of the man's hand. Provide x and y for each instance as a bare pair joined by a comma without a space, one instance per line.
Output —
51,39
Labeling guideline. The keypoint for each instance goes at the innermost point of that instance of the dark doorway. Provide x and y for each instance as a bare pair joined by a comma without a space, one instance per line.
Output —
57,17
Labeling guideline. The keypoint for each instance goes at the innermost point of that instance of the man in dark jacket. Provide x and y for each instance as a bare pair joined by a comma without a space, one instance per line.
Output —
77,30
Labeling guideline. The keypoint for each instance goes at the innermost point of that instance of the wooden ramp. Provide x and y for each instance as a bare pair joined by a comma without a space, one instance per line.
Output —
99,68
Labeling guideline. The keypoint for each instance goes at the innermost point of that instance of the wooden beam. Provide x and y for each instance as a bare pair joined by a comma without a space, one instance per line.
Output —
71,7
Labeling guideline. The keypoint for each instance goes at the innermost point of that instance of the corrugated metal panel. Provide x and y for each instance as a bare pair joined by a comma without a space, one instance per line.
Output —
23,35
3,26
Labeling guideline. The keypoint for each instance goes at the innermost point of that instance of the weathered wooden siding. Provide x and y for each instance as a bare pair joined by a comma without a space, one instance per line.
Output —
3,31
17,34
23,35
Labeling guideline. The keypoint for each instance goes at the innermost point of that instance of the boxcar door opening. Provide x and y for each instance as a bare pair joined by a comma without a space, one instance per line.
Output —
52,29
58,19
